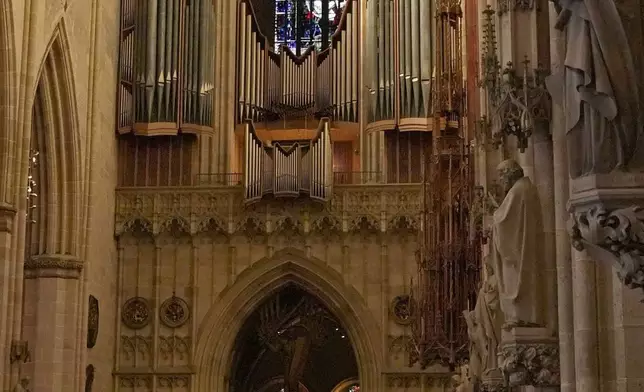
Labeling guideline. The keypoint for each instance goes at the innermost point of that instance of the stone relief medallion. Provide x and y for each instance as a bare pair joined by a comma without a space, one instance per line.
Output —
92,322
174,312
136,313
535,364
402,309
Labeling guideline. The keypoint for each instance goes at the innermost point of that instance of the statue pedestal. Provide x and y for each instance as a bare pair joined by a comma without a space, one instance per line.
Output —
529,357
608,222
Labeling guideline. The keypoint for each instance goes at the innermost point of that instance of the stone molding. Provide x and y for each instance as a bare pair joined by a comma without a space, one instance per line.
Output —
608,222
195,210
7,214
515,5
529,358
53,266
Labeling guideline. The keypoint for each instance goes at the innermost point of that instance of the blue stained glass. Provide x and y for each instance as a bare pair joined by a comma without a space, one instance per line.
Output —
292,15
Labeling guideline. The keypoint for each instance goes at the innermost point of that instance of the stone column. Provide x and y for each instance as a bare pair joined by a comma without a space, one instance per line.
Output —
562,242
51,314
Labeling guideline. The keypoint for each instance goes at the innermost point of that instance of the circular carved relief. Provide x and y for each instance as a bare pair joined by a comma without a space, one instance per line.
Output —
174,312
402,309
136,313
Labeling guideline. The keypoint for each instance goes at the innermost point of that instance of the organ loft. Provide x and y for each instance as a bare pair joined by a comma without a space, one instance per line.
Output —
321,195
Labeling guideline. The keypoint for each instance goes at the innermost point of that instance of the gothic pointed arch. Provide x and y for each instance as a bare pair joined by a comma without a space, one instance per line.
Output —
217,333
55,136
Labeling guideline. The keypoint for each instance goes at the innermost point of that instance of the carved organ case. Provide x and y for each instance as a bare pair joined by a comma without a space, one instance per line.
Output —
288,169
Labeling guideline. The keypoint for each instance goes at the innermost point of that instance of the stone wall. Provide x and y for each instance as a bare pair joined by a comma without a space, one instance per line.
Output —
198,245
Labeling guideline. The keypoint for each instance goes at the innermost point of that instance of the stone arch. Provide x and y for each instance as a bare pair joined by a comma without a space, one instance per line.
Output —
8,97
217,332
55,133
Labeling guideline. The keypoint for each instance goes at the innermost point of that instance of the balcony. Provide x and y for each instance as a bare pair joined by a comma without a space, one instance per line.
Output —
358,202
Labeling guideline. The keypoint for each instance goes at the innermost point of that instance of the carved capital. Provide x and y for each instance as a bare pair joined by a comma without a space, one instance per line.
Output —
534,363
7,213
608,223
53,266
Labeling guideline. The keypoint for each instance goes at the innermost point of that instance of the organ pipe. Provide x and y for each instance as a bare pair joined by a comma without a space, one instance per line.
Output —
273,86
288,170
399,63
166,67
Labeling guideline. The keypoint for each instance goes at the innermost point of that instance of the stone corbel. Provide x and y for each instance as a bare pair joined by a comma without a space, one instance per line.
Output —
53,266
608,223
7,214
530,357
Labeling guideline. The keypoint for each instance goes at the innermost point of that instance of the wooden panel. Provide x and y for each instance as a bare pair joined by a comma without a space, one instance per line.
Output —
342,156
156,161
406,152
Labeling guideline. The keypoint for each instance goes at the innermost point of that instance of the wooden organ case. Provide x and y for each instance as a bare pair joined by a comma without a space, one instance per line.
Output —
300,168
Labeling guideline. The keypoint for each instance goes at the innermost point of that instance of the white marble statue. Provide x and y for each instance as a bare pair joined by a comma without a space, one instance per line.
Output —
598,89
477,350
518,242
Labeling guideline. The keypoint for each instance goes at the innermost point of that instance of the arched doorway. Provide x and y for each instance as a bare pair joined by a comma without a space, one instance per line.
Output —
292,342
217,335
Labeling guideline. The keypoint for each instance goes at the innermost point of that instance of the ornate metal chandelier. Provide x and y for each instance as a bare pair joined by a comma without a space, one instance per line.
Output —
449,256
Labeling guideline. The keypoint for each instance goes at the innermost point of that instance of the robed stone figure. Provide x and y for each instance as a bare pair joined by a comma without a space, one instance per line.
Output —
598,90
518,242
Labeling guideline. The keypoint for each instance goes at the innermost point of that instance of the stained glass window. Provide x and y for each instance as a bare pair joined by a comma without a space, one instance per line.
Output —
354,388
302,23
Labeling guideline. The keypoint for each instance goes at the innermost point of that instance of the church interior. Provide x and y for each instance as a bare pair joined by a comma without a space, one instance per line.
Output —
322,195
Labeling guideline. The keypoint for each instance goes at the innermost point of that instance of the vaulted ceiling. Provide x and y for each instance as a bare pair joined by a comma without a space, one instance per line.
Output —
262,344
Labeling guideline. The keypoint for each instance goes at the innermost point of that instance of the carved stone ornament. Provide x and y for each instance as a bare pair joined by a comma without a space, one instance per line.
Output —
53,266
92,322
7,213
515,5
174,312
136,313
535,364
616,237
402,309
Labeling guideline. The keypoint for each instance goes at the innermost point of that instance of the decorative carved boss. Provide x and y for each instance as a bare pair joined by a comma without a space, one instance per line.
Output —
174,312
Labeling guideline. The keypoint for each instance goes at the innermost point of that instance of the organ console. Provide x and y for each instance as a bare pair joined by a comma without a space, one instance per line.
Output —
288,169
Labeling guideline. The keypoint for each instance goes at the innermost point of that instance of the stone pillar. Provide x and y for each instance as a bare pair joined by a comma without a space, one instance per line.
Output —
562,242
608,230
50,320
7,297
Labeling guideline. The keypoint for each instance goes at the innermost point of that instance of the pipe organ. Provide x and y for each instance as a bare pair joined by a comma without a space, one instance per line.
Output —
273,86
303,167
399,64
166,67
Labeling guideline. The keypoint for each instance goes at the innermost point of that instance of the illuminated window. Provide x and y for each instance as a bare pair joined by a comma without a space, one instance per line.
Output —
302,23
354,388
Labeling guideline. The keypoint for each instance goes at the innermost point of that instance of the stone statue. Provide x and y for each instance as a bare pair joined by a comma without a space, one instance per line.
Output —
518,242
484,327
489,317
462,380
598,89
23,385
478,348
